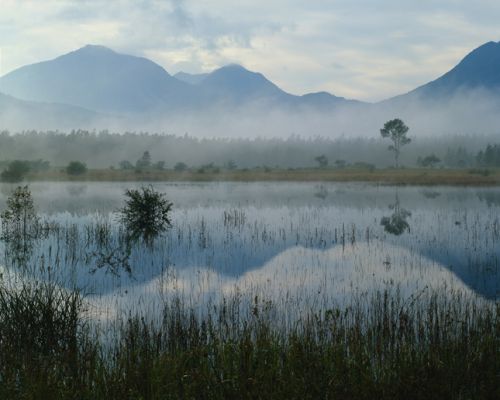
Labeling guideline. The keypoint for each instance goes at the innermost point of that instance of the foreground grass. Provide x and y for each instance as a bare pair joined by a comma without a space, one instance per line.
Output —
433,348
410,176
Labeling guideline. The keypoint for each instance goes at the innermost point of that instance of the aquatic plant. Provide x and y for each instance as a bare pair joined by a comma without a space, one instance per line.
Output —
146,213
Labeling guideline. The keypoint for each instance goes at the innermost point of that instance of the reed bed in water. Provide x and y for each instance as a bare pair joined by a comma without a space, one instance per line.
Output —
284,339
430,346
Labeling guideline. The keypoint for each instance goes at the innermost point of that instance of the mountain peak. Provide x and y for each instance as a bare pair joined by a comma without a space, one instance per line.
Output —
96,78
487,53
234,70
234,66
238,84
90,50
488,45
95,49
480,69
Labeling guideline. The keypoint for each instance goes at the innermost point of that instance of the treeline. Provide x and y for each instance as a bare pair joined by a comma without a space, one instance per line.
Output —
122,150
490,157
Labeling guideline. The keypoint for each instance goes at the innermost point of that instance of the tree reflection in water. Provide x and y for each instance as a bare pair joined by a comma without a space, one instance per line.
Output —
396,223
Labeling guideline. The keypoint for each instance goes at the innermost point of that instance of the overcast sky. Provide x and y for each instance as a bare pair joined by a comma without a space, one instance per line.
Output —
363,49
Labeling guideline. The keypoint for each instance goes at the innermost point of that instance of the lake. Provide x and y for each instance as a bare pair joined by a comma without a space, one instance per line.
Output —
301,246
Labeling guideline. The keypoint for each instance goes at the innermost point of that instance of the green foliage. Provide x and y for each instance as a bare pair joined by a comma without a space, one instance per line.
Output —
180,167
20,219
44,347
76,168
364,165
39,165
428,161
322,161
489,157
480,171
397,223
146,213
208,168
20,226
159,165
144,162
126,165
340,164
16,171
459,157
231,165
383,348
101,149
396,131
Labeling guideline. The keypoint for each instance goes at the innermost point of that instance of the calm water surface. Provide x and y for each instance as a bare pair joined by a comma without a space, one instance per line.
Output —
301,245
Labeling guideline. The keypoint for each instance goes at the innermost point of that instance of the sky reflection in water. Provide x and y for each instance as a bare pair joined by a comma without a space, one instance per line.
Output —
301,245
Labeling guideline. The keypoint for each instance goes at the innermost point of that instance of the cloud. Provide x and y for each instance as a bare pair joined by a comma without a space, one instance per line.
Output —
366,49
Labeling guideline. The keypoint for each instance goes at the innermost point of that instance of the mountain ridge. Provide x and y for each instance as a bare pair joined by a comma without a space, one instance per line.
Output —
19,113
100,79
96,79
93,77
192,79
479,70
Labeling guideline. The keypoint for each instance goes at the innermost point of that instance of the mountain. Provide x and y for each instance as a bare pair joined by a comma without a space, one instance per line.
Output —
236,85
478,71
322,101
99,79
24,115
192,79
138,93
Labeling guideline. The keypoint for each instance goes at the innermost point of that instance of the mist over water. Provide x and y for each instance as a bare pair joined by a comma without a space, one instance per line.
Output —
301,246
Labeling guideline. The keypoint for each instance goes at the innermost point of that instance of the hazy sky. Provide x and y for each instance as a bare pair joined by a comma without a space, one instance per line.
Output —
364,49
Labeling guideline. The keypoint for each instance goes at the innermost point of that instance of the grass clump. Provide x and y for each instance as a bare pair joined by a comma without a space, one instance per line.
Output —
480,171
433,348
45,350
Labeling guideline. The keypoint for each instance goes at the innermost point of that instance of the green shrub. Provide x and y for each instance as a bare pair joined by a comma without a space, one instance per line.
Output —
16,171
146,213
364,165
479,171
180,167
76,168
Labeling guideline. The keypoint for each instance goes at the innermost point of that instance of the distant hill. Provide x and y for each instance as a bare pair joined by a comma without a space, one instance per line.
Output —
322,101
234,84
99,79
135,93
192,79
19,114
478,71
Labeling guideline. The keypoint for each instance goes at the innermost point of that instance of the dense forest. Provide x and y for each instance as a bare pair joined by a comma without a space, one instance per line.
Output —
104,149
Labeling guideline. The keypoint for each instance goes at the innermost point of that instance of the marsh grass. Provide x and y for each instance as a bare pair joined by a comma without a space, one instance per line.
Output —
405,176
431,346
437,343
44,342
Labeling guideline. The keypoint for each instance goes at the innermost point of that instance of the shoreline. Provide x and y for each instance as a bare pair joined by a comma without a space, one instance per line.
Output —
411,177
